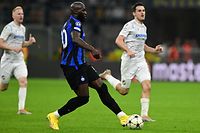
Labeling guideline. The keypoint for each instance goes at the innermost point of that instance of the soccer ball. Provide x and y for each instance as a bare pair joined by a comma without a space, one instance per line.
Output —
135,122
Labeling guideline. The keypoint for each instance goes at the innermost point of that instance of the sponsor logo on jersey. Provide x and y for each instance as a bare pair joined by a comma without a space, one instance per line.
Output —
19,37
141,36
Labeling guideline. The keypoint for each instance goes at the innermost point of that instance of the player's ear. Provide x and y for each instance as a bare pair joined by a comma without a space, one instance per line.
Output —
13,15
134,14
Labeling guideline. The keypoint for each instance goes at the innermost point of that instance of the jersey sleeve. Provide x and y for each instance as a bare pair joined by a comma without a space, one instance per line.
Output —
77,26
6,32
125,30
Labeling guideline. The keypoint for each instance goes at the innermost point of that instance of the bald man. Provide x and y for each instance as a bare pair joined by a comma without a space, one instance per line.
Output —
12,39
79,74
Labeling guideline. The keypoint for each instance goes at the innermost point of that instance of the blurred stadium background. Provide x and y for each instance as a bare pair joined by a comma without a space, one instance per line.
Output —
172,23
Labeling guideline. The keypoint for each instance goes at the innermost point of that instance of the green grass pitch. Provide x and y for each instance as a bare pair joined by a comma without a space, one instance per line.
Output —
175,106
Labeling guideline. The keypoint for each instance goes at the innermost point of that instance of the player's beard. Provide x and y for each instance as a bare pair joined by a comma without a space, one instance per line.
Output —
81,18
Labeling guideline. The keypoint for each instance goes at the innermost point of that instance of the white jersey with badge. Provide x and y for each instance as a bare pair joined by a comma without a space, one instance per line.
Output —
135,37
14,36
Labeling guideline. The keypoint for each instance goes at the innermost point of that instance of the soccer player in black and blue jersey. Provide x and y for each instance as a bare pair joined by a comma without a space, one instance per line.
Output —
78,73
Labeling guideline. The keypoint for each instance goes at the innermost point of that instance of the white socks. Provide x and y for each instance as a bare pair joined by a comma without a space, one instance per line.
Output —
120,114
144,106
22,98
113,81
56,114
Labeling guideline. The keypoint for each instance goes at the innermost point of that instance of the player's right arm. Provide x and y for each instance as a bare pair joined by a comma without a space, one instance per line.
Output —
5,46
121,44
76,38
120,40
4,35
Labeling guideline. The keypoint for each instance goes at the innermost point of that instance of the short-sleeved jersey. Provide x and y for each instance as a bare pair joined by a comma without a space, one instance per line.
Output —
72,54
135,37
14,36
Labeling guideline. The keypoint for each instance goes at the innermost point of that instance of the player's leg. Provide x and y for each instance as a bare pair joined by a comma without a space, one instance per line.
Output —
74,103
21,72
5,74
145,100
82,98
106,98
127,69
117,85
144,77
79,83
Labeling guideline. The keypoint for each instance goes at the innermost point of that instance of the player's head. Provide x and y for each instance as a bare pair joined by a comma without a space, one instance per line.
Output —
18,14
139,11
78,10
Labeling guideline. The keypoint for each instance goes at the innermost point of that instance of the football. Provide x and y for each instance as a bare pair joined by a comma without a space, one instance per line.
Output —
135,122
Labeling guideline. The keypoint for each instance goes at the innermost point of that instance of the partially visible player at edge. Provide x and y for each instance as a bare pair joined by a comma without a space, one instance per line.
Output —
78,73
12,40
131,40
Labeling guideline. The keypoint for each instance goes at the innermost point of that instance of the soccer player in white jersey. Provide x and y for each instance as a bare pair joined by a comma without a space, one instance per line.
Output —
12,39
131,40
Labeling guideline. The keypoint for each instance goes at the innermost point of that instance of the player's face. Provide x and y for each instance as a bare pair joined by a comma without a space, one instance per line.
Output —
18,16
82,14
139,13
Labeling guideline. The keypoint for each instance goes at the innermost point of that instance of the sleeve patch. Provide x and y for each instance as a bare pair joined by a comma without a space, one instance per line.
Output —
78,24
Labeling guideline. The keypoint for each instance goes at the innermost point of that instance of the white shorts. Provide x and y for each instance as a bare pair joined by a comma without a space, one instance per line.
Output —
18,69
130,69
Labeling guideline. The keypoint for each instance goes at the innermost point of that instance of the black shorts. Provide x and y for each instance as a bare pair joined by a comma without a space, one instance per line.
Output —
85,74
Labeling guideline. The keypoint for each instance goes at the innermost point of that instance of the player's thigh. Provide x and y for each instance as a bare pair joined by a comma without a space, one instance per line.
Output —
75,77
20,70
143,72
6,72
82,90
93,78
128,71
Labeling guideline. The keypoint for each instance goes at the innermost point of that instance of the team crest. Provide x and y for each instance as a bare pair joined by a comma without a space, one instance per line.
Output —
78,24
82,78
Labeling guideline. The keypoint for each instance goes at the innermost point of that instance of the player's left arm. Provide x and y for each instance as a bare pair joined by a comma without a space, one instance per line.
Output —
158,49
29,42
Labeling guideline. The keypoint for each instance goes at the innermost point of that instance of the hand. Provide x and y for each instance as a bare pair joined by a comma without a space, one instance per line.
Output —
31,39
158,49
131,53
17,50
96,54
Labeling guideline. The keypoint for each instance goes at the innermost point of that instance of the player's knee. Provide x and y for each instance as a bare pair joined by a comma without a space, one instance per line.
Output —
97,83
23,82
3,87
84,99
146,86
123,91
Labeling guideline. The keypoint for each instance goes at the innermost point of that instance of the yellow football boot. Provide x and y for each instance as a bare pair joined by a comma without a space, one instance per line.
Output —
124,120
53,121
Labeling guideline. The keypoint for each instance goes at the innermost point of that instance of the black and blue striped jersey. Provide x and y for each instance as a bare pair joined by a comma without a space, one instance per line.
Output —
72,54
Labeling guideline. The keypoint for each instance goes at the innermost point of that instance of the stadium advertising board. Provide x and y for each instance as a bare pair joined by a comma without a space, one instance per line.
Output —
176,72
